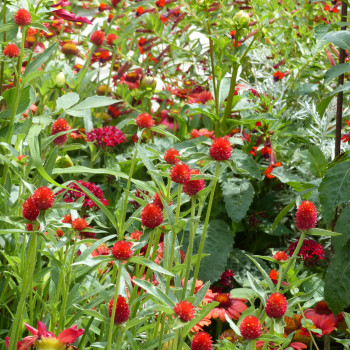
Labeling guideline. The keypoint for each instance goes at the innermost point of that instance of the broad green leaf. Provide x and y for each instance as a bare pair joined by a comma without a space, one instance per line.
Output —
94,102
340,38
40,60
285,175
317,160
336,71
238,195
67,101
322,106
282,214
246,163
334,189
243,293
320,232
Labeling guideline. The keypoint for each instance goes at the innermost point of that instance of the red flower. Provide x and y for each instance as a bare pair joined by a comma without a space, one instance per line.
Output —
110,38
139,11
29,210
269,169
144,120
157,201
136,235
200,97
160,3
67,219
276,305
326,323
69,16
311,252
97,37
122,311
277,76
306,216
185,310
22,17
220,149
201,132
280,256
43,198
79,224
11,50
170,156
151,216
107,137
274,276
250,328
180,173
192,187
122,250
47,340
201,341
58,126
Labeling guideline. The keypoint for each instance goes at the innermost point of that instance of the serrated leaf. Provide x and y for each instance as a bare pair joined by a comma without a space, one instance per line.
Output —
238,195
246,163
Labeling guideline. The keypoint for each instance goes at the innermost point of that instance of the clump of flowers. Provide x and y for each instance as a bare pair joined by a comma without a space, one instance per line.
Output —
225,283
107,137
11,50
311,252
29,210
180,173
192,187
72,196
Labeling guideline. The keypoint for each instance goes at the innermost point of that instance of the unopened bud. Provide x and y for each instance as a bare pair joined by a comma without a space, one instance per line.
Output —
241,20
60,79
64,162
148,83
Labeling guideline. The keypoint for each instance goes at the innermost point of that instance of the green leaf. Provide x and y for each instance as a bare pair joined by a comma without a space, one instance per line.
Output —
246,163
93,246
155,291
322,106
67,101
153,266
40,60
285,176
164,132
282,214
8,26
340,38
243,293
317,160
94,102
263,272
238,195
334,189
320,232
86,170
336,71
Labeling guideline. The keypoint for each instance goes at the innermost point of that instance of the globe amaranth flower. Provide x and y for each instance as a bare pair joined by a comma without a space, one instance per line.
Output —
171,156
201,341
79,224
192,187
280,256
97,38
311,252
122,310
11,50
185,310
276,305
58,126
107,137
42,339
144,121
122,250
22,17
72,196
29,210
180,173
306,216
43,198
232,307
220,149
250,328
151,216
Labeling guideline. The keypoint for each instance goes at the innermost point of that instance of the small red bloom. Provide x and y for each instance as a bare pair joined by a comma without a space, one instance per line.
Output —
29,210
43,198
136,235
276,305
250,328
58,126
59,232
97,38
170,156
220,149
157,200
151,216
306,216
22,17
79,224
107,137
281,256
192,187
110,38
122,250
201,341
144,120
11,50
67,219
160,3
277,76
180,173
185,310
139,11
122,310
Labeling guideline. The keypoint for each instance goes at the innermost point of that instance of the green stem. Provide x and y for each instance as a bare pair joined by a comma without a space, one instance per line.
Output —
110,71
188,258
206,222
310,333
83,71
291,260
252,345
110,331
2,66
27,280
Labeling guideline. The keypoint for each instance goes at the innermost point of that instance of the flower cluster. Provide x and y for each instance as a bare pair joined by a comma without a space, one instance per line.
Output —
311,252
107,137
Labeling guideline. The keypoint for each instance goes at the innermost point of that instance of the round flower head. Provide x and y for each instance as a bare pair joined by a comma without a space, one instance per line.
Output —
110,38
201,341
11,50
180,173
22,17
67,219
192,187
107,137
144,121
171,156
185,310
122,310
29,210
276,305
43,198
280,256
79,224
220,149
306,216
157,200
97,38
58,126
151,216
122,250
250,328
